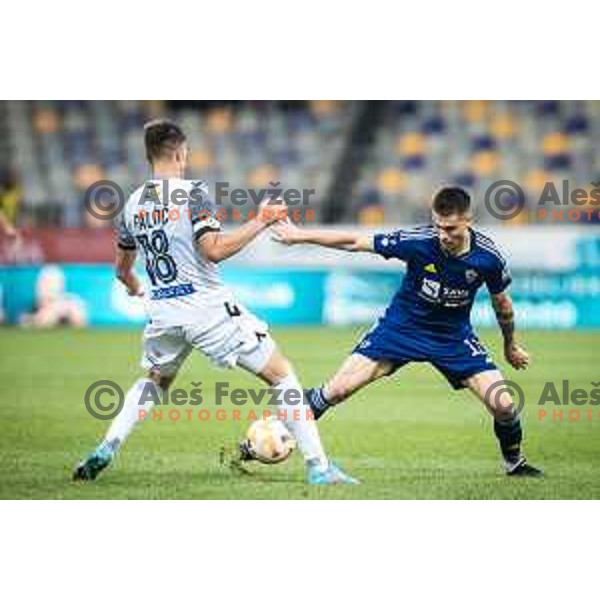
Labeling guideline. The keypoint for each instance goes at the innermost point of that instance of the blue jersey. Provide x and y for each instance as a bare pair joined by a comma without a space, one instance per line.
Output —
438,289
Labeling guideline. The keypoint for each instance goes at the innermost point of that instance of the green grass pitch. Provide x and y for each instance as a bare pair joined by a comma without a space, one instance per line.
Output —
409,436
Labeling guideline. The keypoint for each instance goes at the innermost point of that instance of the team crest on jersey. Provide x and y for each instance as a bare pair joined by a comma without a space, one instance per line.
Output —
431,288
471,275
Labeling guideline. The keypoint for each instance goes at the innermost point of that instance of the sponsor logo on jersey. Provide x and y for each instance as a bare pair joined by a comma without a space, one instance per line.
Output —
173,291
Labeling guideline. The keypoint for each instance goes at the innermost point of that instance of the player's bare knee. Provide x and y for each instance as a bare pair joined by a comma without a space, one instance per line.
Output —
503,408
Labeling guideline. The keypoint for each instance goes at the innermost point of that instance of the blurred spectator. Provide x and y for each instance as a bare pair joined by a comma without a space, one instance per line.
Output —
10,199
53,305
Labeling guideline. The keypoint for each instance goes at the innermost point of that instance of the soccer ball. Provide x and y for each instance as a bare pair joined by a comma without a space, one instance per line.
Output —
268,441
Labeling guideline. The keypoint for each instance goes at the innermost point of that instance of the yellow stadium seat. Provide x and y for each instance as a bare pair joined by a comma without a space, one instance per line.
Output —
411,144
324,108
155,108
261,177
536,180
503,126
86,175
475,111
46,121
485,163
391,181
201,159
219,120
371,215
555,143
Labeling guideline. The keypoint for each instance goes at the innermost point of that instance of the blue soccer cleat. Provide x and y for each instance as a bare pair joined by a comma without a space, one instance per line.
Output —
97,461
331,475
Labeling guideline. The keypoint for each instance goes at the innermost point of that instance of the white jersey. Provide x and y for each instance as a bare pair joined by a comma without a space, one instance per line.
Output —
181,285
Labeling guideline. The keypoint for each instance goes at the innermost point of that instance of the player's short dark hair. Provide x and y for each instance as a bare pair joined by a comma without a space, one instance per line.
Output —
161,138
451,201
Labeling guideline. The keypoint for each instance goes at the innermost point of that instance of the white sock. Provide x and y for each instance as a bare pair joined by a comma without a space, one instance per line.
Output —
293,413
132,413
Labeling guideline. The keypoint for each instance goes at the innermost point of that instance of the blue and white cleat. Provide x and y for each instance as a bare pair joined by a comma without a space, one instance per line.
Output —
97,461
331,475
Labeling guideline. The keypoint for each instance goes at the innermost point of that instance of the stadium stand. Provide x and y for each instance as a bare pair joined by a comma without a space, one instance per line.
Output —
56,149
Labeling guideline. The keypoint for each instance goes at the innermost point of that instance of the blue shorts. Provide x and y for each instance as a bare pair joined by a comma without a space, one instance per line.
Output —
457,357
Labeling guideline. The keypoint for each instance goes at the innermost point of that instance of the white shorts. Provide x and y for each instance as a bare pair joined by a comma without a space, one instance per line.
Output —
234,337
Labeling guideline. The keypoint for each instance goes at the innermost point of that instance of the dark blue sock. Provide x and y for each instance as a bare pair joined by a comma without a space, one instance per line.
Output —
509,434
317,401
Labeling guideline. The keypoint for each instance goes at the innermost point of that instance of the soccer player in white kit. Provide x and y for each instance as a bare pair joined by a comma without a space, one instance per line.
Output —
188,304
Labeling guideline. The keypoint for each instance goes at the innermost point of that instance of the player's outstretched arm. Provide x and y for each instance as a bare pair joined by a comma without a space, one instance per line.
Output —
503,307
124,262
286,233
217,246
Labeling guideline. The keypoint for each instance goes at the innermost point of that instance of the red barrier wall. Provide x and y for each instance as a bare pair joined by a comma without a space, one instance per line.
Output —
59,245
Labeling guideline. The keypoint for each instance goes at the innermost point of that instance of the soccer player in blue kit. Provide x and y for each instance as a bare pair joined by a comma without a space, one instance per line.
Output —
428,320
